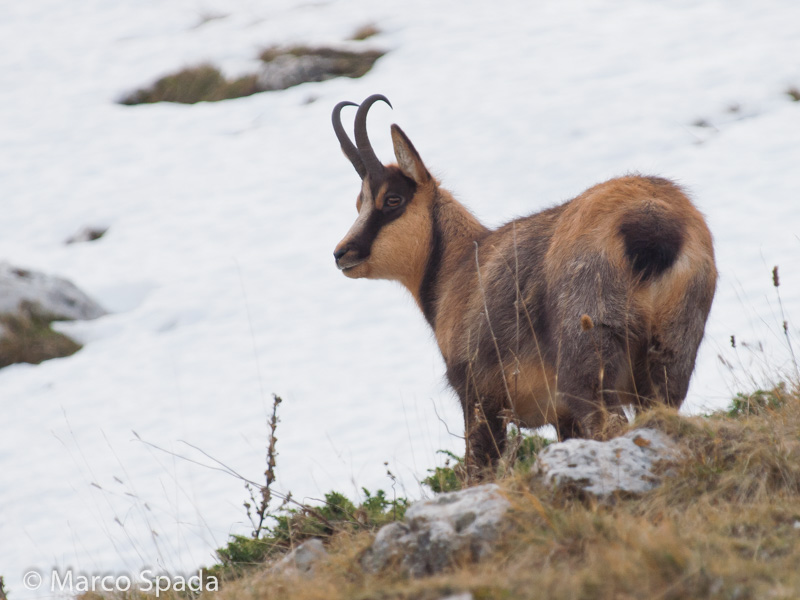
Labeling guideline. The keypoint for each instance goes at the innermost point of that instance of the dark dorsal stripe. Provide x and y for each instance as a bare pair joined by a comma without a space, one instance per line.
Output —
427,290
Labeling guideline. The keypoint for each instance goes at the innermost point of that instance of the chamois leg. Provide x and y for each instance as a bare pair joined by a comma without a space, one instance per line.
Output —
567,427
486,437
588,370
671,354
664,377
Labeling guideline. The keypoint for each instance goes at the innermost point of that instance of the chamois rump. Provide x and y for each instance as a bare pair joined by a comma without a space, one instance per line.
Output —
561,317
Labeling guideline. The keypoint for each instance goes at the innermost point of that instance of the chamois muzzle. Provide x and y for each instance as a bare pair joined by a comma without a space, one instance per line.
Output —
347,256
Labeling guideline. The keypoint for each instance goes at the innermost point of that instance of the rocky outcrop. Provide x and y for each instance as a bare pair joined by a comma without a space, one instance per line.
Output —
49,295
466,525
624,464
436,533
29,303
283,68
302,560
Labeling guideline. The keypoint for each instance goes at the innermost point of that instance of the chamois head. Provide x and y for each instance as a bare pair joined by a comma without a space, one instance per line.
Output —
390,238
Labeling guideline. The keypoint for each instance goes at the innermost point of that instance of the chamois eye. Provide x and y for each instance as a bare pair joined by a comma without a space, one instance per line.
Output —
393,201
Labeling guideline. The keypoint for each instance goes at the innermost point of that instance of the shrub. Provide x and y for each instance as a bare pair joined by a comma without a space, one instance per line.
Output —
338,515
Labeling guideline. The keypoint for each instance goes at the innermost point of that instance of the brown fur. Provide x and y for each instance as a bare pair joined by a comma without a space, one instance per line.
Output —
561,317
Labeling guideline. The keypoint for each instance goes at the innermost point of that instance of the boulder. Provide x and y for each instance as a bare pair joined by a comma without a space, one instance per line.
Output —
48,295
435,533
283,68
624,464
302,560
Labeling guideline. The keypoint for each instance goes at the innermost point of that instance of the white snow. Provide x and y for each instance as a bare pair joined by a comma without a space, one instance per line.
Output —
217,264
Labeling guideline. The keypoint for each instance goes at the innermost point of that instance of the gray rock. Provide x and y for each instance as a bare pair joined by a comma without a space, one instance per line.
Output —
49,295
284,68
302,560
437,532
87,234
623,464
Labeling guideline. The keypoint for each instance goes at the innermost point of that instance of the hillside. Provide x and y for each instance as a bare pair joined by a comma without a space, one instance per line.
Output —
723,523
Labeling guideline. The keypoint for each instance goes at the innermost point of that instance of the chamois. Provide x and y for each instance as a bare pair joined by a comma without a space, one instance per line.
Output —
562,317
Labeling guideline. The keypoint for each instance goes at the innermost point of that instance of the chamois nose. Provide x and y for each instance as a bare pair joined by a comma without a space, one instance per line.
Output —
340,251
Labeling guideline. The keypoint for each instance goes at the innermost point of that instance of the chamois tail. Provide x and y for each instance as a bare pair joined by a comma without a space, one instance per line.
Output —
653,239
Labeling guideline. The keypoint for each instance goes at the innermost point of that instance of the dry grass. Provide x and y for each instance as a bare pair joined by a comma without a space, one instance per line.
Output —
201,83
365,32
725,524
26,337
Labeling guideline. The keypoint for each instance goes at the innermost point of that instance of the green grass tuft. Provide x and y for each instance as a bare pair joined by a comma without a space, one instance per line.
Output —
758,402
449,478
336,516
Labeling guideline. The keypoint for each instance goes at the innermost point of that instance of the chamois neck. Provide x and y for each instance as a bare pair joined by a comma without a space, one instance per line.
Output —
454,230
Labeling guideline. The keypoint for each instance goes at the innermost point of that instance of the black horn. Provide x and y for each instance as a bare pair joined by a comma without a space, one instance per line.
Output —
371,162
349,149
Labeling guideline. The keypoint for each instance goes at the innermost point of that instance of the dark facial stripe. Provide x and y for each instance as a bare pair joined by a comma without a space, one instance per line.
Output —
396,183
427,290
367,236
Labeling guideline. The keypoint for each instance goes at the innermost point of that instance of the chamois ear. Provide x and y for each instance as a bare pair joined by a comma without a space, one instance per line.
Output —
408,158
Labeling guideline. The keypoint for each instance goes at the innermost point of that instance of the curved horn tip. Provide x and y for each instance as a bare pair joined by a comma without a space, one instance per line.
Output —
338,108
343,103
349,149
375,98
